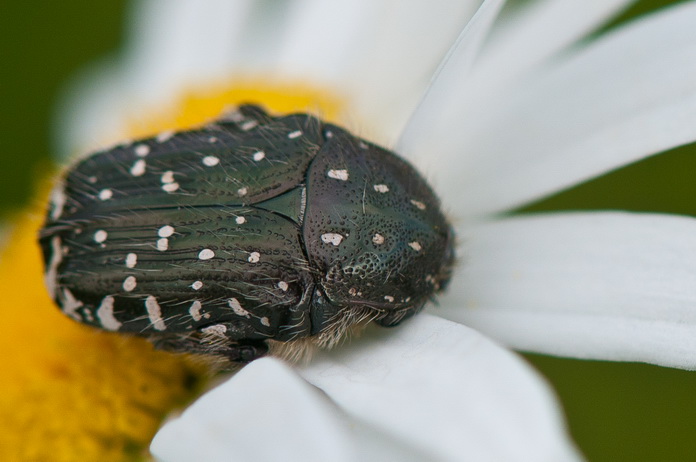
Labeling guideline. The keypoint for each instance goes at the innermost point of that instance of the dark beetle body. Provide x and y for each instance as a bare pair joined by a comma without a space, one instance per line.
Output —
250,229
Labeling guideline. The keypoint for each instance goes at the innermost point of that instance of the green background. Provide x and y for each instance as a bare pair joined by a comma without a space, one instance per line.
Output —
615,411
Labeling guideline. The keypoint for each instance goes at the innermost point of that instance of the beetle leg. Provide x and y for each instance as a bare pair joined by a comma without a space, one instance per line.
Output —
222,339
232,341
247,351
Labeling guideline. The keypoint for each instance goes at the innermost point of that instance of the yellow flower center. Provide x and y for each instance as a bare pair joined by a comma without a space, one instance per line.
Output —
70,392
198,106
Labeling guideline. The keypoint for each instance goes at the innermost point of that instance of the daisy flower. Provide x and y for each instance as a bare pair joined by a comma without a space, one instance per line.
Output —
497,111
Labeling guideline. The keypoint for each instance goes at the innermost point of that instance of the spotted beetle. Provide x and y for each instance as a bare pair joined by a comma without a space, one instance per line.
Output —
251,232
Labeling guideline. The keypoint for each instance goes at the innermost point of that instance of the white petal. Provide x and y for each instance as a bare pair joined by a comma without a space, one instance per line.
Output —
615,286
433,390
325,38
268,412
379,54
531,36
173,46
445,389
90,114
452,73
176,43
629,95
393,71
517,43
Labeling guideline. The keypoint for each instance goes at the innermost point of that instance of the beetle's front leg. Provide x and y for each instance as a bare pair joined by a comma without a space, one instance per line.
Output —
246,352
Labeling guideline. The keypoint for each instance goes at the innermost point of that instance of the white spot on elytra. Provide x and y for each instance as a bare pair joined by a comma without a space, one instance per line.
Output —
51,276
237,307
232,113
105,313
154,313
240,220
338,174
141,150
168,180
415,245
138,168
362,145
282,285
210,161
58,199
254,257
92,179
165,136
217,330
106,194
258,155
130,283
168,177
165,231
100,236
331,238
248,125
378,239
295,134
389,298
162,244
131,260
195,310
418,204
88,314
70,305
196,285
170,187
206,254
265,321
242,192
212,139
381,188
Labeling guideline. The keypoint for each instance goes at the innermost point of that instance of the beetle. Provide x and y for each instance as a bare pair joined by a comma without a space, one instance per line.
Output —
252,231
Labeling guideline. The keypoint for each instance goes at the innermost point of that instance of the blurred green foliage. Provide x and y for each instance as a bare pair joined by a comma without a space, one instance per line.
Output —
42,44
615,411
